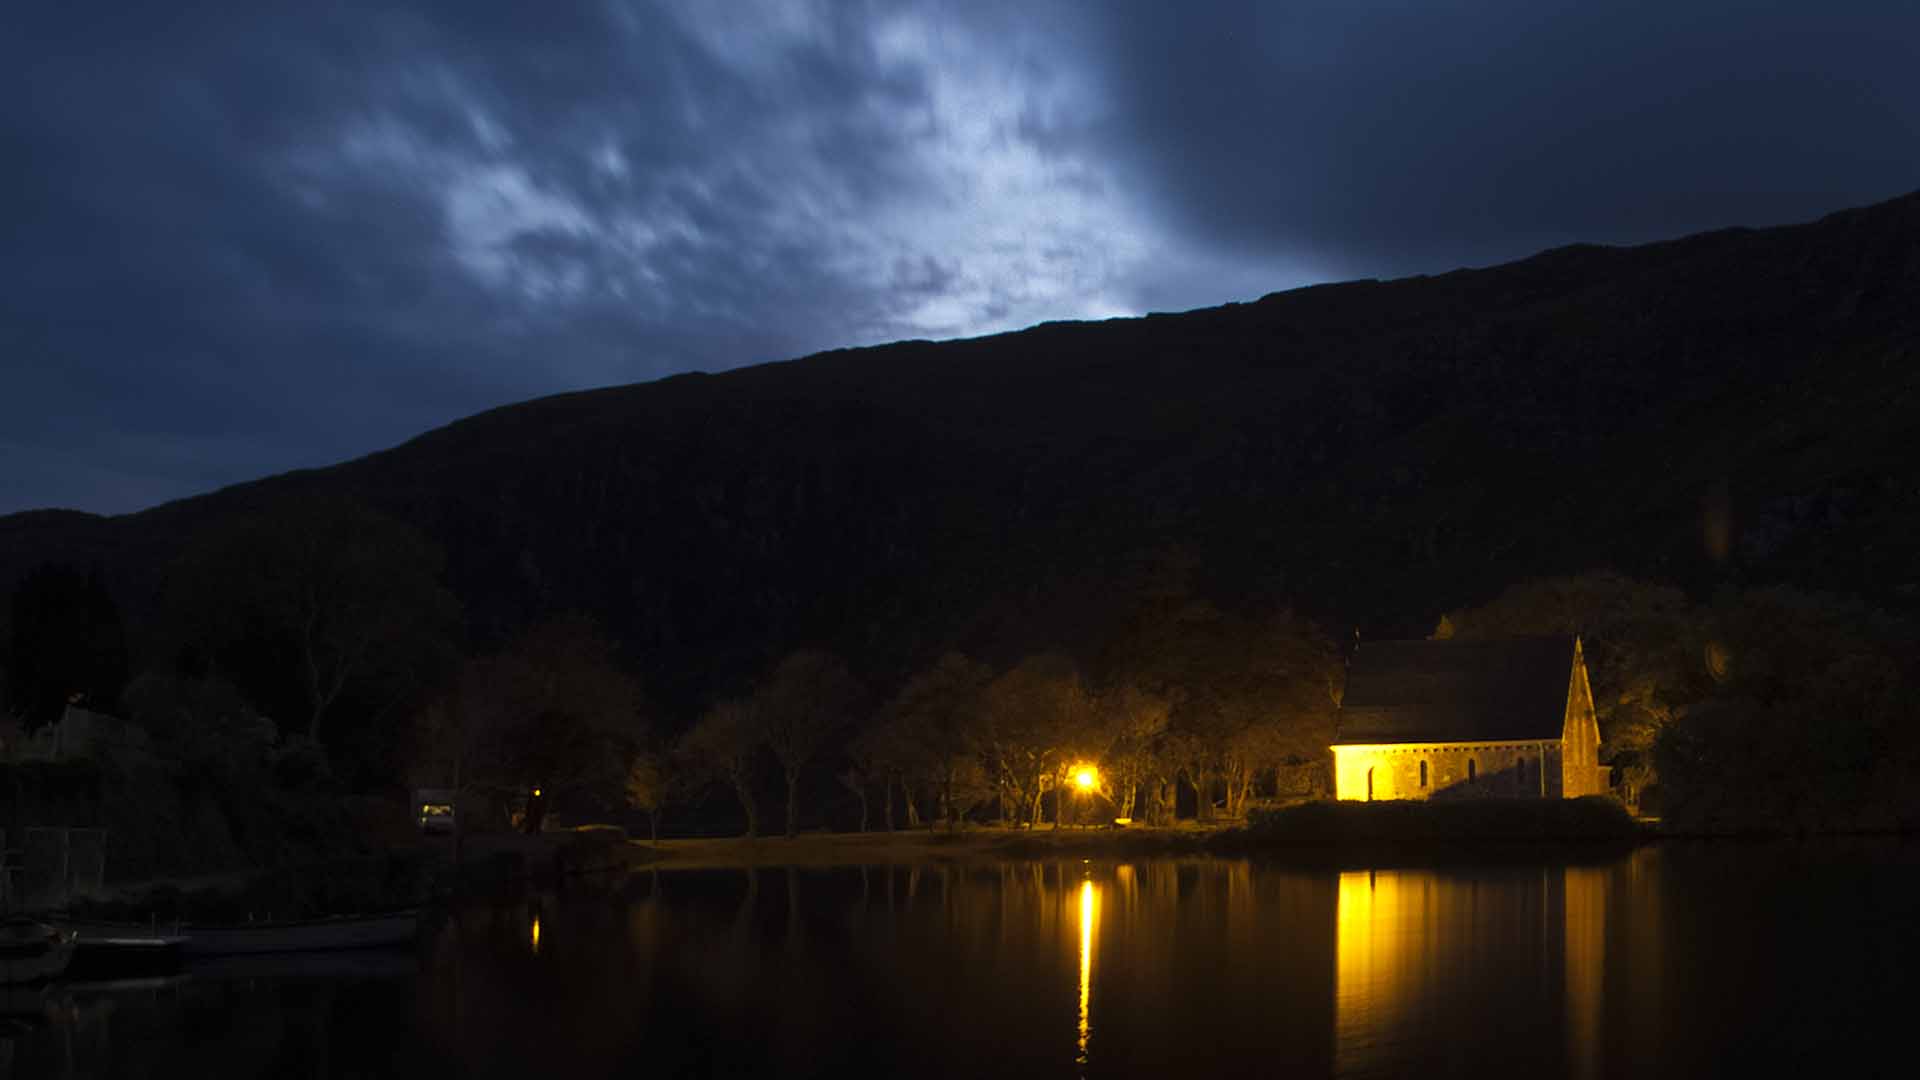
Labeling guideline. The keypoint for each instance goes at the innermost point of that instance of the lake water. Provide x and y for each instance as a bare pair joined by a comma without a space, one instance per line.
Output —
1684,960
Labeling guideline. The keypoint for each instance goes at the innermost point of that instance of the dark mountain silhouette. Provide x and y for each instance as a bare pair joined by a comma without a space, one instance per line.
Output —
1738,406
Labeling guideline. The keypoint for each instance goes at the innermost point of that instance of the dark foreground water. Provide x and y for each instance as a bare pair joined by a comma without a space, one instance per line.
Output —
1680,961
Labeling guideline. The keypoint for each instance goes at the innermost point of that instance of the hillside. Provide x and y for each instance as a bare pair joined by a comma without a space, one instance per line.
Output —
1370,452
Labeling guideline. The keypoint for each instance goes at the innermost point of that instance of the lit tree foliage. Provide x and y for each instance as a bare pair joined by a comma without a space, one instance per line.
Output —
1245,695
650,785
1033,712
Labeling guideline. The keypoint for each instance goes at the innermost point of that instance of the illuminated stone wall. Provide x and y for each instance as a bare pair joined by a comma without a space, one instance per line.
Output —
1502,770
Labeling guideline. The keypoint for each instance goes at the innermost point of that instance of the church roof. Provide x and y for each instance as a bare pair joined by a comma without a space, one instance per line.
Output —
1457,691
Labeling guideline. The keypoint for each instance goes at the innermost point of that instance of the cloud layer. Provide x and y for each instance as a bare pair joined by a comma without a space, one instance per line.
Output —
250,239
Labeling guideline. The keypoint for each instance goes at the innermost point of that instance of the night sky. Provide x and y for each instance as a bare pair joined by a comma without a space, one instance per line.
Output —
257,237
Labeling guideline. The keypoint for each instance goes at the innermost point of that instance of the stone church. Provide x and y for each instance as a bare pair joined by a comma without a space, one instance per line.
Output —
1468,720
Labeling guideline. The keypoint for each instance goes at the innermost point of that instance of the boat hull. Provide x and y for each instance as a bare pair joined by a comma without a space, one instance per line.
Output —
323,935
104,954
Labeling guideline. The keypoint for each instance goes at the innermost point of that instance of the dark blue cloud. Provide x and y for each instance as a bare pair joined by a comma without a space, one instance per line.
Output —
254,237
1385,138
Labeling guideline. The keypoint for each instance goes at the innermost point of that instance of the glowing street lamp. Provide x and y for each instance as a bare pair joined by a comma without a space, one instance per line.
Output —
1087,778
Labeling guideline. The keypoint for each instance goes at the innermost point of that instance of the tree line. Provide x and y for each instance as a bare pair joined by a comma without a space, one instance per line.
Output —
312,645
958,741
1762,708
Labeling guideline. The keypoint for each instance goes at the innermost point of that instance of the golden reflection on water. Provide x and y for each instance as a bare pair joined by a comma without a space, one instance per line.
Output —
1089,915
1421,957
1586,923
1383,950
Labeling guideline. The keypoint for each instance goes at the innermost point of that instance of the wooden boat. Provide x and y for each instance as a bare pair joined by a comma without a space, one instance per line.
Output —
390,930
32,951
119,950
117,946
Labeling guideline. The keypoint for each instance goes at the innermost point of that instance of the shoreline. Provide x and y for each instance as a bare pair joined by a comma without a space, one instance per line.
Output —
1321,835
972,844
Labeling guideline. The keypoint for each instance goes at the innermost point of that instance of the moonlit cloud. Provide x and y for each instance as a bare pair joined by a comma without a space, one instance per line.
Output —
262,237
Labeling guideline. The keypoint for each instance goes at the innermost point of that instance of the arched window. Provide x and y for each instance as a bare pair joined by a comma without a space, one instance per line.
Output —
1471,770
1423,774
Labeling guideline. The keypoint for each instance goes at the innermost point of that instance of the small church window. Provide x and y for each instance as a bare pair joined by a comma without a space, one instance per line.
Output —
1423,774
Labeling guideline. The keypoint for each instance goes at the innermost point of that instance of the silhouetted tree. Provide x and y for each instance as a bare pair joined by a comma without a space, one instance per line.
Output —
203,723
722,746
552,711
809,696
318,593
1171,648
856,781
1806,725
879,752
940,722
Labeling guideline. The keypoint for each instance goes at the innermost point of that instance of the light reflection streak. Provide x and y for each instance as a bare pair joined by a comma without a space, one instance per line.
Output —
534,935
1586,936
1089,914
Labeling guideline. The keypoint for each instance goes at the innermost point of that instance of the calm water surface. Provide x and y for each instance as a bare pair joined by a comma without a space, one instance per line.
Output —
1678,961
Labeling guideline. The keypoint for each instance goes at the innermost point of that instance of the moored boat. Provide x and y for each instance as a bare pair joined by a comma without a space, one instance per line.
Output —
32,951
356,964
118,950
389,930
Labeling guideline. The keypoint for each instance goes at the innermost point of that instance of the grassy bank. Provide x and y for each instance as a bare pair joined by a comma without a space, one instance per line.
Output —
1403,826
1313,831
920,846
